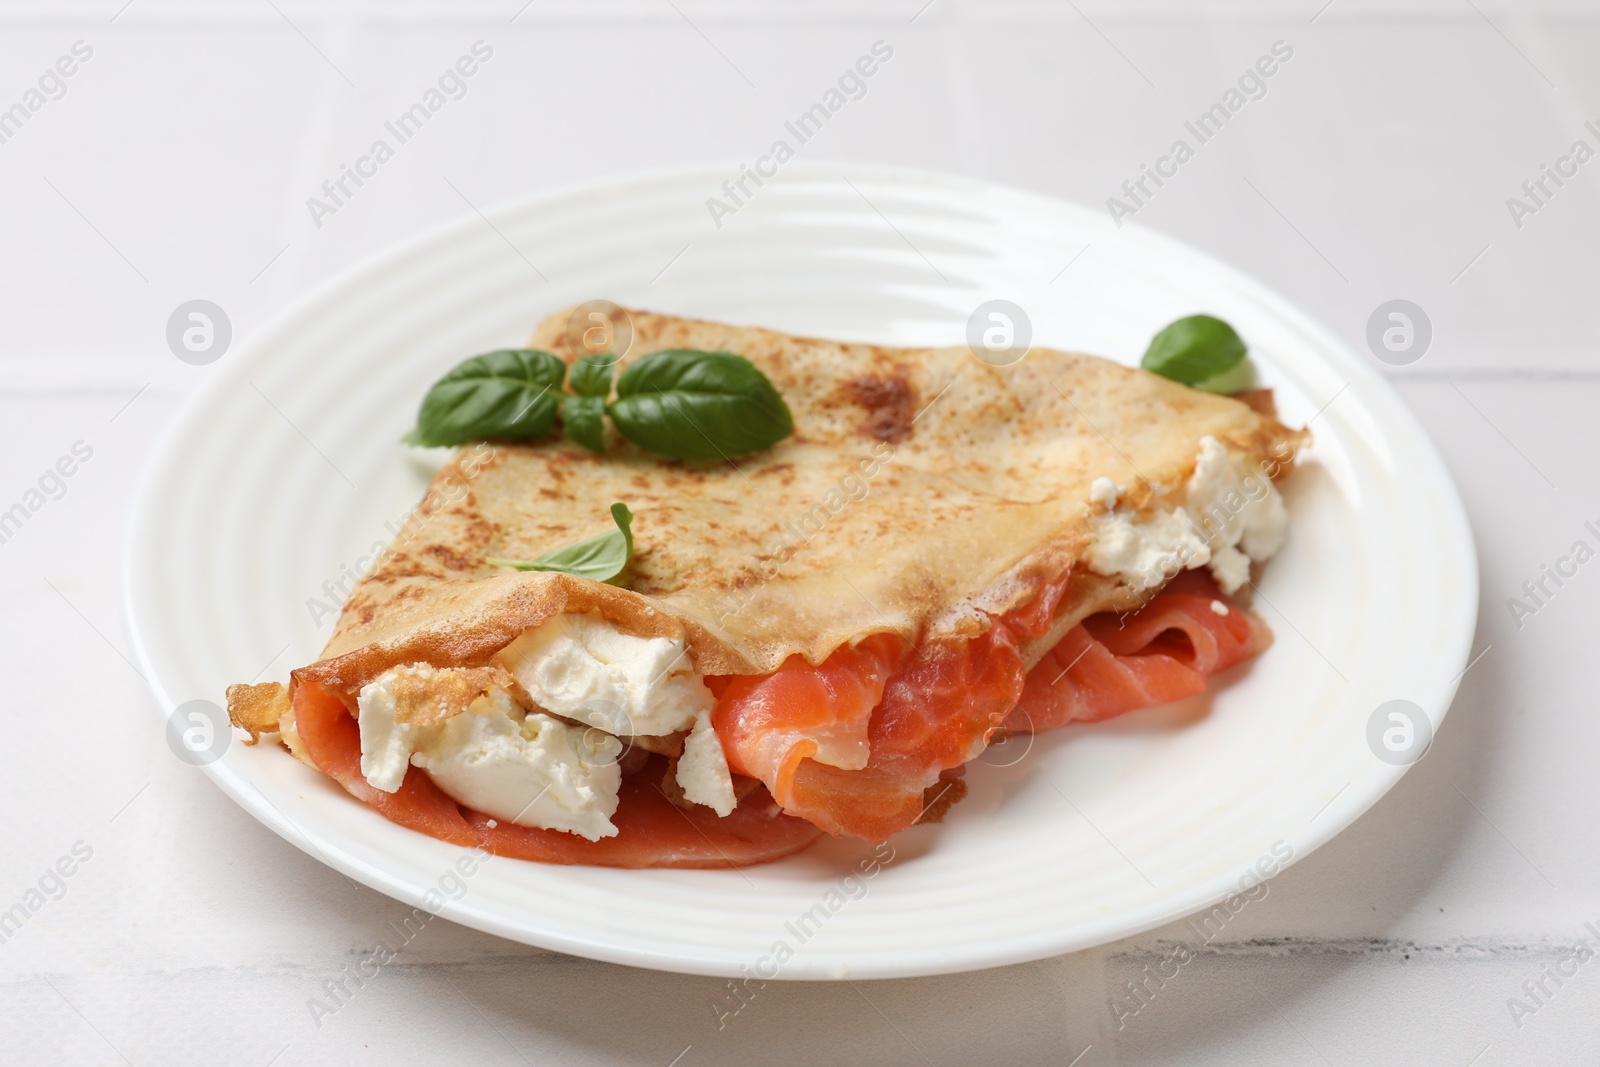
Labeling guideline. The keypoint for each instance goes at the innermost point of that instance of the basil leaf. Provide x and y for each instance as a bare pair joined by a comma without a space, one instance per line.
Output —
583,417
699,405
591,375
1194,349
513,392
1242,376
599,559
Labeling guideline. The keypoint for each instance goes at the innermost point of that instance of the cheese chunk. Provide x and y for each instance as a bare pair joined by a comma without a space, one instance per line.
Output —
1227,522
496,758
582,668
703,768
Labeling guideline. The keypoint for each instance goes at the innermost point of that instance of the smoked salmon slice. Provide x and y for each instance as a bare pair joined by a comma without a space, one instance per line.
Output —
651,830
931,710
771,723
1167,650
938,706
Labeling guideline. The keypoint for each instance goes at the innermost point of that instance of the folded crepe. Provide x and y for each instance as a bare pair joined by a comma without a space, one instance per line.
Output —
813,638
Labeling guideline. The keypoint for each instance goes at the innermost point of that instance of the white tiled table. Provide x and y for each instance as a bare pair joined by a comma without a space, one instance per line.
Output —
1377,165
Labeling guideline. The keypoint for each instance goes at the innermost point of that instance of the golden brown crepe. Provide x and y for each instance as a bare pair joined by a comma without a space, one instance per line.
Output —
921,488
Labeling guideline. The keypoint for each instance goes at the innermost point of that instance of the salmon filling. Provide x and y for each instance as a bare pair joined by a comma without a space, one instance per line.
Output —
853,746
925,714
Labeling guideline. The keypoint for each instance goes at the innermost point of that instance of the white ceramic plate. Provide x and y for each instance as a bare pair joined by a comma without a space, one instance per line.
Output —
285,469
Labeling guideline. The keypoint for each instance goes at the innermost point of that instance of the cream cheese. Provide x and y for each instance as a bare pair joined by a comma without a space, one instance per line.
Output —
385,744
522,767
1226,522
538,770
703,768
1105,492
582,668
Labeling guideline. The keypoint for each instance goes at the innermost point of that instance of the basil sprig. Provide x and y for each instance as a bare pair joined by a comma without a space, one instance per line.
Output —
1194,350
509,393
699,405
681,402
583,417
599,558
591,375
583,413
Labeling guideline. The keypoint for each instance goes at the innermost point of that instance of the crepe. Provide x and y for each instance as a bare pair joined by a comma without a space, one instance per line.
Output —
920,486
927,549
